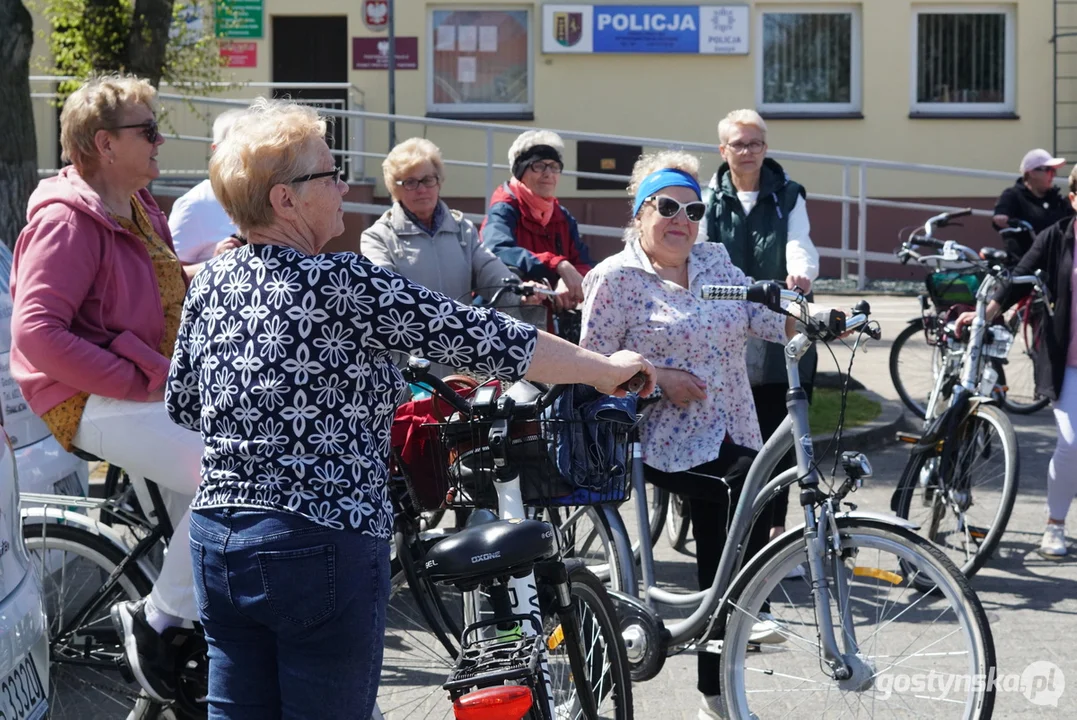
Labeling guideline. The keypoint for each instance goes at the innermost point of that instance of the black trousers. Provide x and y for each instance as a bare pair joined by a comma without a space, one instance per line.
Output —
771,411
712,503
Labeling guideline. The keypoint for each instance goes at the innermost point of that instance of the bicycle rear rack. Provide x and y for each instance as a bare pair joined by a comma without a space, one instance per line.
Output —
485,662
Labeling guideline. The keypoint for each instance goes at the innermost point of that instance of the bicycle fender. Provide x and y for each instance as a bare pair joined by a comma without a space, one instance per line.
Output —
887,518
55,514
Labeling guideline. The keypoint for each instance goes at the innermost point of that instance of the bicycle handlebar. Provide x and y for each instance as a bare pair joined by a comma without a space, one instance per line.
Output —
770,294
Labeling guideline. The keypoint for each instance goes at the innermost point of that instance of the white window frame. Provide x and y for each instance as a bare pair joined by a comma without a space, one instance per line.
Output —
855,63
1009,104
480,110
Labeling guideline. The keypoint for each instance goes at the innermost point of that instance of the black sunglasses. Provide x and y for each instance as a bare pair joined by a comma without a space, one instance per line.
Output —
148,128
334,173
668,207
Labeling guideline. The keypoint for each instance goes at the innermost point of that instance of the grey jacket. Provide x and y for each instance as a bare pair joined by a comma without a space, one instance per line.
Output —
452,262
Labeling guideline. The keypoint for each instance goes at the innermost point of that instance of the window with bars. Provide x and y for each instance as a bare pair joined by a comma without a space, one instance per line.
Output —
481,62
963,62
810,61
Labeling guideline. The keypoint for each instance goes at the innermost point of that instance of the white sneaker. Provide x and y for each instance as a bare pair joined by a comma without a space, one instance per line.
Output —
796,573
1054,541
713,708
767,631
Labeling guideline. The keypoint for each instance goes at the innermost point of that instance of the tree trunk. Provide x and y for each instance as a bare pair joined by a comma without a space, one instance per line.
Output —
18,142
148,40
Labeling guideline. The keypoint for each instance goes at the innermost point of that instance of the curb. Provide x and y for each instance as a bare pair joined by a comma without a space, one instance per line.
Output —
874,434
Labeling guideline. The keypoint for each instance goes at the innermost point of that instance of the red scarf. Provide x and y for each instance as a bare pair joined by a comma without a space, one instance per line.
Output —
538,208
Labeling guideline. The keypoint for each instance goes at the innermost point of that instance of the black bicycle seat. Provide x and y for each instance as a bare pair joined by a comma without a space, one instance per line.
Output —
497,549
993,254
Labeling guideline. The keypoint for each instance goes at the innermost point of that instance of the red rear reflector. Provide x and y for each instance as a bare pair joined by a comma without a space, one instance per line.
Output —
503,702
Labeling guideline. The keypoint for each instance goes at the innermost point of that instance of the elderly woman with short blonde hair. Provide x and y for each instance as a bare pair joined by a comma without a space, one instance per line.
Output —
528,228
761,217
283,365
420,237
98,292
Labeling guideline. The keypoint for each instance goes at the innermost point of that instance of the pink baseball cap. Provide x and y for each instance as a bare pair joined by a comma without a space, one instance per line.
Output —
1040,158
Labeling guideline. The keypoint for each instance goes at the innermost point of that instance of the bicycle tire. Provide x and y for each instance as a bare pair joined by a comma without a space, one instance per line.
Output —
427,598
763,576
100,683
1016,325
589,596
910,485
679,522
915,406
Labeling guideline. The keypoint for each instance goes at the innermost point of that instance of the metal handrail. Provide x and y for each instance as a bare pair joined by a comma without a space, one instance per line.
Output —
847,198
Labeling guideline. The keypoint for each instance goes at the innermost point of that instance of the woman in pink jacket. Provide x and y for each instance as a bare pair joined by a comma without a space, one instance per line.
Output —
98,293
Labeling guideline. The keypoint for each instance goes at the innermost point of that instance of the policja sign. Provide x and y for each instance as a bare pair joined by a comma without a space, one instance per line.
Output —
689,29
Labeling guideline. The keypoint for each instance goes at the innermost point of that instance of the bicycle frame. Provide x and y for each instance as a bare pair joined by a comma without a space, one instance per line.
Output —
820,529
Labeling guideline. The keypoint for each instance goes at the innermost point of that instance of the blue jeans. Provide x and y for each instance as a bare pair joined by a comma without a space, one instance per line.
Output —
294,615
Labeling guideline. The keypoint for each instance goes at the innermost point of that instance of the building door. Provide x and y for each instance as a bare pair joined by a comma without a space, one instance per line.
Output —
315,50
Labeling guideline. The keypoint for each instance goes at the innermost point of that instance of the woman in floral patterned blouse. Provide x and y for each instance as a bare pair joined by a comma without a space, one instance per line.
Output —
700,439
283,365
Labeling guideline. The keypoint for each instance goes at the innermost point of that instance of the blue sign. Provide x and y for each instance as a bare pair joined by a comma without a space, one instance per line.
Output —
646,29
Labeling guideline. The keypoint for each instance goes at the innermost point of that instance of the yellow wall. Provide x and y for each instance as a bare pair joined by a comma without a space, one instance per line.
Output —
681,97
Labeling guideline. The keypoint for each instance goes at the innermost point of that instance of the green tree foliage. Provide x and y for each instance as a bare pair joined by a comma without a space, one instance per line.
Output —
156,39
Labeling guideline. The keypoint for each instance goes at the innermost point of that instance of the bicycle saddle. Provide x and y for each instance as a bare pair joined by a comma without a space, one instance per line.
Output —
496,549
994,254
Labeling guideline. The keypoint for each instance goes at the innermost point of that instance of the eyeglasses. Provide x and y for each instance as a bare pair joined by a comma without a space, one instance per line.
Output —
541,167
754,147
668,207
334,173
149,130
427,181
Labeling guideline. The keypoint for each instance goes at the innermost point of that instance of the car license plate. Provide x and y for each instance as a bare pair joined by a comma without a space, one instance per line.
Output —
21,694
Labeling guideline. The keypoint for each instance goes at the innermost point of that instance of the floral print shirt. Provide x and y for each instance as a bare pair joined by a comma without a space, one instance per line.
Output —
627,306
283,364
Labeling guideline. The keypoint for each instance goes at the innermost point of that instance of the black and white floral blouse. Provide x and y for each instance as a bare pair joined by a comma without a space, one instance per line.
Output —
282,364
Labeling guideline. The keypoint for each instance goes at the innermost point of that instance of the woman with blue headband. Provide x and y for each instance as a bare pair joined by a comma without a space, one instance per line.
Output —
700,439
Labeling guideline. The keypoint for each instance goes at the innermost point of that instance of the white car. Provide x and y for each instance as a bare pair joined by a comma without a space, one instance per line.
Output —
44,466
24,645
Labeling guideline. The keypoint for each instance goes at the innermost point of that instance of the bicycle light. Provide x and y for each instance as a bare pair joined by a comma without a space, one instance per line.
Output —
501,702
856,465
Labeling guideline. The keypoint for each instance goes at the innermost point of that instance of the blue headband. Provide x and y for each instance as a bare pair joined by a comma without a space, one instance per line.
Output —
659,180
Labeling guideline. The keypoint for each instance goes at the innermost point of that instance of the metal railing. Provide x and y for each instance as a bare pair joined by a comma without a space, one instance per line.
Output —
852,170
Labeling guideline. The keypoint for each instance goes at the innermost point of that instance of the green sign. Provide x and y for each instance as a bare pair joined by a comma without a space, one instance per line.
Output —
240,18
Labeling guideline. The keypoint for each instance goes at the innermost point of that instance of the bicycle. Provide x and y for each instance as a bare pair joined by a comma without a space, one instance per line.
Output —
950,468
919,353
86,564
503,586
856,617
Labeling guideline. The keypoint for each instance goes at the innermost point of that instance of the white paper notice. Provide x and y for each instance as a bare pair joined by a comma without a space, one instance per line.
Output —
469,38
488,38
466,67
446,39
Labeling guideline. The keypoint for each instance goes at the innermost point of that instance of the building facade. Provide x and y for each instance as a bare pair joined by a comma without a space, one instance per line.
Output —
960,83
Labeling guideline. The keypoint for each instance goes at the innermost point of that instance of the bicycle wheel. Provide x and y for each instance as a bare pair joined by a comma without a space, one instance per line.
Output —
967,519
913,364
1021,397
912,654
605,662
73,564
587,536
679,523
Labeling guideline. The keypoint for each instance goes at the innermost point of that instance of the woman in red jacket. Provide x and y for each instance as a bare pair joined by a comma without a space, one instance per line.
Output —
528,229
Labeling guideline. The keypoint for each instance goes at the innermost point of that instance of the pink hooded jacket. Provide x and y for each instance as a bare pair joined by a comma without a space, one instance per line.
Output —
87,312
